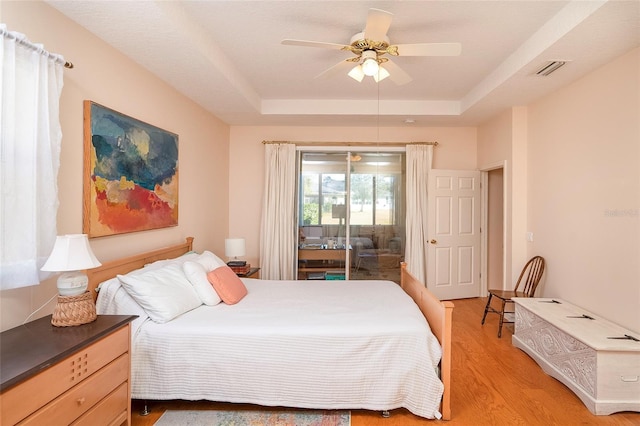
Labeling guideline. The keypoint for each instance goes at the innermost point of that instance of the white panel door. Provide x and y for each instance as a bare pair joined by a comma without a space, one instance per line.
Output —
453,258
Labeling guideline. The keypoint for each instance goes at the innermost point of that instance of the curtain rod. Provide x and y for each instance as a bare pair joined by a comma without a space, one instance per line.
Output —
19,38
352,143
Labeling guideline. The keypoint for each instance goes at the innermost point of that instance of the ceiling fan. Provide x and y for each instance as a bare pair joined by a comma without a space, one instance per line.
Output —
370,47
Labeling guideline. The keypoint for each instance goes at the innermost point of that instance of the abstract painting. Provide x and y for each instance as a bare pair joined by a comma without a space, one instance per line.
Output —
130,174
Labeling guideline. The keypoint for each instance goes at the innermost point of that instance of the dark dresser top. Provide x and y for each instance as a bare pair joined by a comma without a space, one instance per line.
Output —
32,347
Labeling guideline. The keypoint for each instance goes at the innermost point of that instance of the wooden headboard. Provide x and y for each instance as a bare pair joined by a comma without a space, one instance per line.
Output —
127,264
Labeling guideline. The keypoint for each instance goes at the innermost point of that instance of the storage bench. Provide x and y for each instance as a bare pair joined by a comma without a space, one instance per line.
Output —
587,353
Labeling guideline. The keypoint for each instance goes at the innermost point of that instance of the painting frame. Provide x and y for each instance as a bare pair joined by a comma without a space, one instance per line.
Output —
130,178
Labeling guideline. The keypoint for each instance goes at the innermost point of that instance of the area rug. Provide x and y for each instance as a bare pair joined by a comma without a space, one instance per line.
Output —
254,418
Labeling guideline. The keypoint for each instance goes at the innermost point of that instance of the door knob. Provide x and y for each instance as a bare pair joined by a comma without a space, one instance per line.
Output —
433,242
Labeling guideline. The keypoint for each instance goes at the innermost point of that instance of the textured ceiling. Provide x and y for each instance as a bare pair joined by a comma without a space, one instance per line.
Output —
227,55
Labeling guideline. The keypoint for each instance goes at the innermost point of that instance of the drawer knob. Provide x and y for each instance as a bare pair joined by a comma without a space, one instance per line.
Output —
629,378
81,401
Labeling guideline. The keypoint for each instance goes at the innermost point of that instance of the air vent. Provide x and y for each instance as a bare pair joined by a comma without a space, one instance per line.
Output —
550,67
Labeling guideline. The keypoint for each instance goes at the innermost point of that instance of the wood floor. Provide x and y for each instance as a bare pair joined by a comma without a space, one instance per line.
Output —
493,383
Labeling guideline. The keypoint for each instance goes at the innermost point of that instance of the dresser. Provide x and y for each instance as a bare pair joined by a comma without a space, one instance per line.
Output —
67,375
593,357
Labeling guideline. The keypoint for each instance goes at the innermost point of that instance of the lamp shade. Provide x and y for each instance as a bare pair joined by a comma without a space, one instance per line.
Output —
370,63
234,247
370,67
356,73
71,253
381,74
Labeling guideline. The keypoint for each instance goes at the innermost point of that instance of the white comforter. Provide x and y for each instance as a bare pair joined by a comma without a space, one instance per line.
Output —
309,344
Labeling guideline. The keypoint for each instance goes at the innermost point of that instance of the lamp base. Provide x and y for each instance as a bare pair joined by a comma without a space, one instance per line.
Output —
72,283
74,310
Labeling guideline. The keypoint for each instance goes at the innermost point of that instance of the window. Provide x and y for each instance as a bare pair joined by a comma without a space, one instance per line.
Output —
30,83
371,184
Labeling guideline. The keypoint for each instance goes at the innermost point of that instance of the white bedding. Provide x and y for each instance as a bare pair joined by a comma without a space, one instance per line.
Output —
309,344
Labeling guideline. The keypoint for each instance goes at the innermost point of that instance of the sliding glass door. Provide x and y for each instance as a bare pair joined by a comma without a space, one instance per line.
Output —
351,215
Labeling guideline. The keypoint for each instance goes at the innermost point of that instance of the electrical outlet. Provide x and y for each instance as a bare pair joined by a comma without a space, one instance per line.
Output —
530,237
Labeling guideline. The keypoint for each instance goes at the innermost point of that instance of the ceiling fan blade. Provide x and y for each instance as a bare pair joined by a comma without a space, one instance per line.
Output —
429,49
307,43
378,22
397,74
338,68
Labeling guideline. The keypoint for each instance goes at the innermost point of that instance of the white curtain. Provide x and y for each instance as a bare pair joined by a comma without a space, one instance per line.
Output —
278,235
30,87
419,159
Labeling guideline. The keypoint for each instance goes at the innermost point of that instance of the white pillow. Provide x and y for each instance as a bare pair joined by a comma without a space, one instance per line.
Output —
163,293
210,261
197,275
114,300
191,255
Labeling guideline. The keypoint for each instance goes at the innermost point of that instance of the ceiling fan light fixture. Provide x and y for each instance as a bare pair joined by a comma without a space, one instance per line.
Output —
356,73
370,63
370,46
370,67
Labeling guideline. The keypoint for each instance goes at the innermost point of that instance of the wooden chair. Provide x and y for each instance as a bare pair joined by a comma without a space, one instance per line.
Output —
532,272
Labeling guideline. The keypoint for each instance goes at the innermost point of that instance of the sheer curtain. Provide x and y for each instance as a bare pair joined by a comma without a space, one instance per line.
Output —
30,86
278,235
419,159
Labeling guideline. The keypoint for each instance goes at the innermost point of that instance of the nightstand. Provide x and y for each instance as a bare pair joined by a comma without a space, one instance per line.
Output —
64,375
253,273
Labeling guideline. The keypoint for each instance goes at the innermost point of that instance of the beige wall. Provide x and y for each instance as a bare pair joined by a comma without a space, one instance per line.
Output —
584,190
456,150
502,143
573,177
103,75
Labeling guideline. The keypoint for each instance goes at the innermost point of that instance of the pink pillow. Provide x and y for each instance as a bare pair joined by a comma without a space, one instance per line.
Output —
227,284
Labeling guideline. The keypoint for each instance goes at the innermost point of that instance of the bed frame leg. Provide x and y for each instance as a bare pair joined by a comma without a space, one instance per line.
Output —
386,414
145,408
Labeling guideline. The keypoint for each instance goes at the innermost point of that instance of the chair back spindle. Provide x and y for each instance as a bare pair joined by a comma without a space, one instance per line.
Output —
533,271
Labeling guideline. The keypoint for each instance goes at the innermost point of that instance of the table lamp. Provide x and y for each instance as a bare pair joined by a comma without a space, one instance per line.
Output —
234,247
71,255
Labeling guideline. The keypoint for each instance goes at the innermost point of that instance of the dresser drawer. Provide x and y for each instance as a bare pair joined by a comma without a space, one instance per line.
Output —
25,398
75,402
112,410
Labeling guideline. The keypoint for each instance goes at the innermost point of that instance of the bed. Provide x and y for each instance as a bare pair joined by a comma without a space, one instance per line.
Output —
291,343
